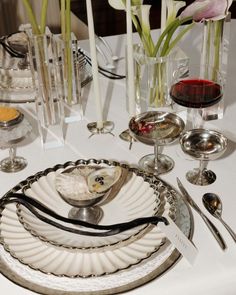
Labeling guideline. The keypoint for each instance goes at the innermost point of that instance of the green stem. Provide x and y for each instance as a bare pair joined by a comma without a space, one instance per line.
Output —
162,36
217,43
63,19
177,39
31,17
210,27
167,30
168,38
43,16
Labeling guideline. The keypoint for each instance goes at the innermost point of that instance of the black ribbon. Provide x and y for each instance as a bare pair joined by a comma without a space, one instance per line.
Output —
101,70
102,230
10,49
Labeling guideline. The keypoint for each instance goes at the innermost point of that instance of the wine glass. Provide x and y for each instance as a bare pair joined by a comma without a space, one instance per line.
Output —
204,145
196,87
156,128
11,133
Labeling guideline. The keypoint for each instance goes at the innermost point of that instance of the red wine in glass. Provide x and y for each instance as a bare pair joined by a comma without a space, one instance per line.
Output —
196,93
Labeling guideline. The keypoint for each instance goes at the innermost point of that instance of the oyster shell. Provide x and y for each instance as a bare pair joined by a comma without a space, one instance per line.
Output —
86,183
72,186
101,180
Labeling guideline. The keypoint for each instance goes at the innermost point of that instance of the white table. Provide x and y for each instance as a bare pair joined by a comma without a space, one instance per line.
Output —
214,271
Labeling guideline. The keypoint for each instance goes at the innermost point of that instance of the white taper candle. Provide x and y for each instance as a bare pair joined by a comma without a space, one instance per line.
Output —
93,53
130,60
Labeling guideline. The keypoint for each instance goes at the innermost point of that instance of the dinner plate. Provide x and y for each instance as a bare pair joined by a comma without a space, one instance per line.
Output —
16,84
135,198
36,264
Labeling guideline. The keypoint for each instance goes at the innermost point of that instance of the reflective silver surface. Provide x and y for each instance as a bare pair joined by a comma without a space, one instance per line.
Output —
203,145
213,204
156,128
107,128
207,221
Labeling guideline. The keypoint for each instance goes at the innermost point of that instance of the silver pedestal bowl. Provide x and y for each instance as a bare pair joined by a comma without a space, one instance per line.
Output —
203,145
156,128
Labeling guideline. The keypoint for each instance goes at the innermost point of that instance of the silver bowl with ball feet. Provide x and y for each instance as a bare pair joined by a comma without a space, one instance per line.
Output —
203,145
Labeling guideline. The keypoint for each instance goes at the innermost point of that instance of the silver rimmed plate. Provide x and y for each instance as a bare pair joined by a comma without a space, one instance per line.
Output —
136,198
128,266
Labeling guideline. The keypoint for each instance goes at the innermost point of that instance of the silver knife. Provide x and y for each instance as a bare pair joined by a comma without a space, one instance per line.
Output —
210,225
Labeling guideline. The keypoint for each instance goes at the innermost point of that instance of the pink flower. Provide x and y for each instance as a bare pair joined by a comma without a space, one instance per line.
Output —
207,10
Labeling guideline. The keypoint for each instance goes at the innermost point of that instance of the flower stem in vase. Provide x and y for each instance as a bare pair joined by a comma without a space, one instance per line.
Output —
39,48
157,82
66,36
217,45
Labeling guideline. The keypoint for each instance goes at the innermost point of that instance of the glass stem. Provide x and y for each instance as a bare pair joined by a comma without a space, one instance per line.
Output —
156,157
12,153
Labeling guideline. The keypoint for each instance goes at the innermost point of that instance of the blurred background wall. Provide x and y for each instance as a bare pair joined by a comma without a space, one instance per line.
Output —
107,20
12,14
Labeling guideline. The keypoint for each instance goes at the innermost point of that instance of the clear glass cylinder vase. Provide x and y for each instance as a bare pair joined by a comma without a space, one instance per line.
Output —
48,102
214,54
153,77
68,79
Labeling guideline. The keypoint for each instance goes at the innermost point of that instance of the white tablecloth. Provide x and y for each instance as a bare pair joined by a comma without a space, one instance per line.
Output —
214,271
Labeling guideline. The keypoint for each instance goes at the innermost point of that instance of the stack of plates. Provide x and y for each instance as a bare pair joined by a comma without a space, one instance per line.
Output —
39,254
16,84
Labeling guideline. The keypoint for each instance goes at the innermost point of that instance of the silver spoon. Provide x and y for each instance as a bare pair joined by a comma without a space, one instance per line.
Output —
213,204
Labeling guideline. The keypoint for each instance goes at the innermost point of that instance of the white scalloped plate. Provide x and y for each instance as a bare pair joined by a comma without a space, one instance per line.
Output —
32,261
135,199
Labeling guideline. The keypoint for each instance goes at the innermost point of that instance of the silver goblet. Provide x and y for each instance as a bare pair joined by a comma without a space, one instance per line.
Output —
204,145
11,133
158,129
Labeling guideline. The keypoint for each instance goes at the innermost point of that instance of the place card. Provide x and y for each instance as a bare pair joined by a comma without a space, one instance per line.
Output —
179,240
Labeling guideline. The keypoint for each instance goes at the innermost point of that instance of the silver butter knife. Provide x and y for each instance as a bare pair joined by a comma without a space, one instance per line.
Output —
207,221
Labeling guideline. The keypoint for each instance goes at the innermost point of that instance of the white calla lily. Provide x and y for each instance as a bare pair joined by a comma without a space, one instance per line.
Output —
207,10
117,4
140,16
143,13
172,9
121,4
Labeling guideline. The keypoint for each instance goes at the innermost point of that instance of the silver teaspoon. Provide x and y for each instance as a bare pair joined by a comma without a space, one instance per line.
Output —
213,204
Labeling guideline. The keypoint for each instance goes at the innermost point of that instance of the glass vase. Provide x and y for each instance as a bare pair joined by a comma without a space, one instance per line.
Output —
214,54
48,102
153,77
67,62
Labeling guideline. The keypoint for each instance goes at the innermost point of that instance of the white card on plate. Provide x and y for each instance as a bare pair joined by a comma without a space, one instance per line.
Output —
179,240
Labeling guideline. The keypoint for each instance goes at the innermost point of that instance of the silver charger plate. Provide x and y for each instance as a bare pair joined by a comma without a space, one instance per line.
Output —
152,264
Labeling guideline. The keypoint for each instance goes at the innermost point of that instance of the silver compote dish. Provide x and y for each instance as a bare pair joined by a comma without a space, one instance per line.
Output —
84,188
156,128
203,145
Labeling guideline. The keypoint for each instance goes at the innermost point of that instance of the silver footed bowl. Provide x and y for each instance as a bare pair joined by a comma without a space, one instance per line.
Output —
85,187
156,128
203,145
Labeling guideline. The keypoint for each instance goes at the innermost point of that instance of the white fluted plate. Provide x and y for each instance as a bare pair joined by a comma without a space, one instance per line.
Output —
136,198
36,264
